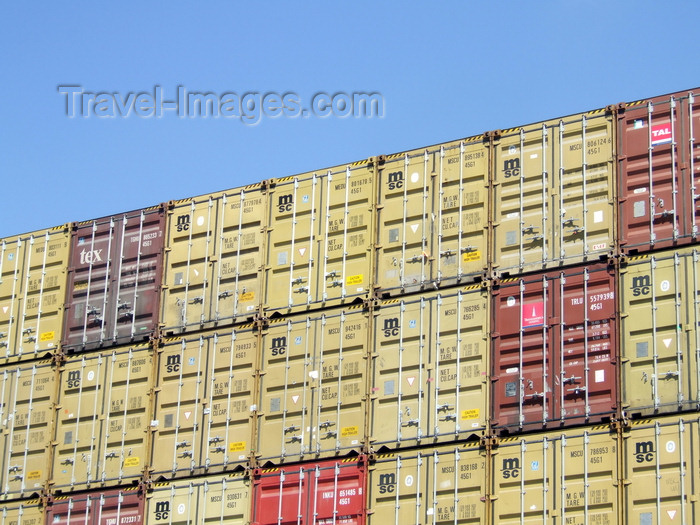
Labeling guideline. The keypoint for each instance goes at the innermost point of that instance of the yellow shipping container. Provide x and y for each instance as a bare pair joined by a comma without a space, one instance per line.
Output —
33,284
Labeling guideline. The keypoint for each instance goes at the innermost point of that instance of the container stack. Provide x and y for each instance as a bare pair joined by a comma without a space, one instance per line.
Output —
499,329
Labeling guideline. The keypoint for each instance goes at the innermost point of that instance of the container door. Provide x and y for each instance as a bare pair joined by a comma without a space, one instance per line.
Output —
187,285
662,462
400,373
459,241
230,397
291,281
26,411
397,490
346,235
180,387
458,392
404,262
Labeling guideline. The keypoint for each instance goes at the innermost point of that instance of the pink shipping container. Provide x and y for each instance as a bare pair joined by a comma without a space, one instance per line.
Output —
658,172
114,280
111,507
324,492
554,351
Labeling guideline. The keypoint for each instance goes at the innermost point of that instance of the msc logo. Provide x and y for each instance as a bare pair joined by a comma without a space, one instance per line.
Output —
172,364
395,180
162,510
511,168
644,451
387,483
183,223
285,203
89,257
279,345
391,327
73,379
511,468
641,285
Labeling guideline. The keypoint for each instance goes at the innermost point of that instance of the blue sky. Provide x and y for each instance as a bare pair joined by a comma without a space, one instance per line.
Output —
446,70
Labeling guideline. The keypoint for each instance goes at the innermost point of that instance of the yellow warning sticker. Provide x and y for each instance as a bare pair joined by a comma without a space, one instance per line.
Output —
236,446
247,296
354,279
349,431
82,285
34,474
47,336
472,256
132,462
470,414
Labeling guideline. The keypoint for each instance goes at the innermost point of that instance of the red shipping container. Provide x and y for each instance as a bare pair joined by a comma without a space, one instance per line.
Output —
110,507
319,493
114,280
554,351
658,172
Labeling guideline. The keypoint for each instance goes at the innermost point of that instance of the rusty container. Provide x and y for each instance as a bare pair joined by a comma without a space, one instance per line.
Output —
114,280
432,218
313,386
102,418
658,171
553,193
431,485
213,260
556,477
660,332
328,491
204,398
554,349
33,281
319,239
429,368
123,506
27,393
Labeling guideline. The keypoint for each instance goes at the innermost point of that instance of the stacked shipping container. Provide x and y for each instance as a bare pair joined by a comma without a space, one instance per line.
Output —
498,329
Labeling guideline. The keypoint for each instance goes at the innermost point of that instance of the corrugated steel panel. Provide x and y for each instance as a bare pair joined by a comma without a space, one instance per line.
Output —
432,222
325,492
662,471
429,368
204,397
313,386
214,259
224,498
33,284
24,512
658,172
558,477
114,280
443,485
102,418
553,201
26,418
113,507
554,349
660,323
319,239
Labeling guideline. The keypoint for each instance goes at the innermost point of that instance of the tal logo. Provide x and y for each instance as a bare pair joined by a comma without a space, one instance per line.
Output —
90,256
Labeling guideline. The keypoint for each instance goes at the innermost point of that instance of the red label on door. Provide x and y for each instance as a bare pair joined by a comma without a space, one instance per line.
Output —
533,314
661,134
